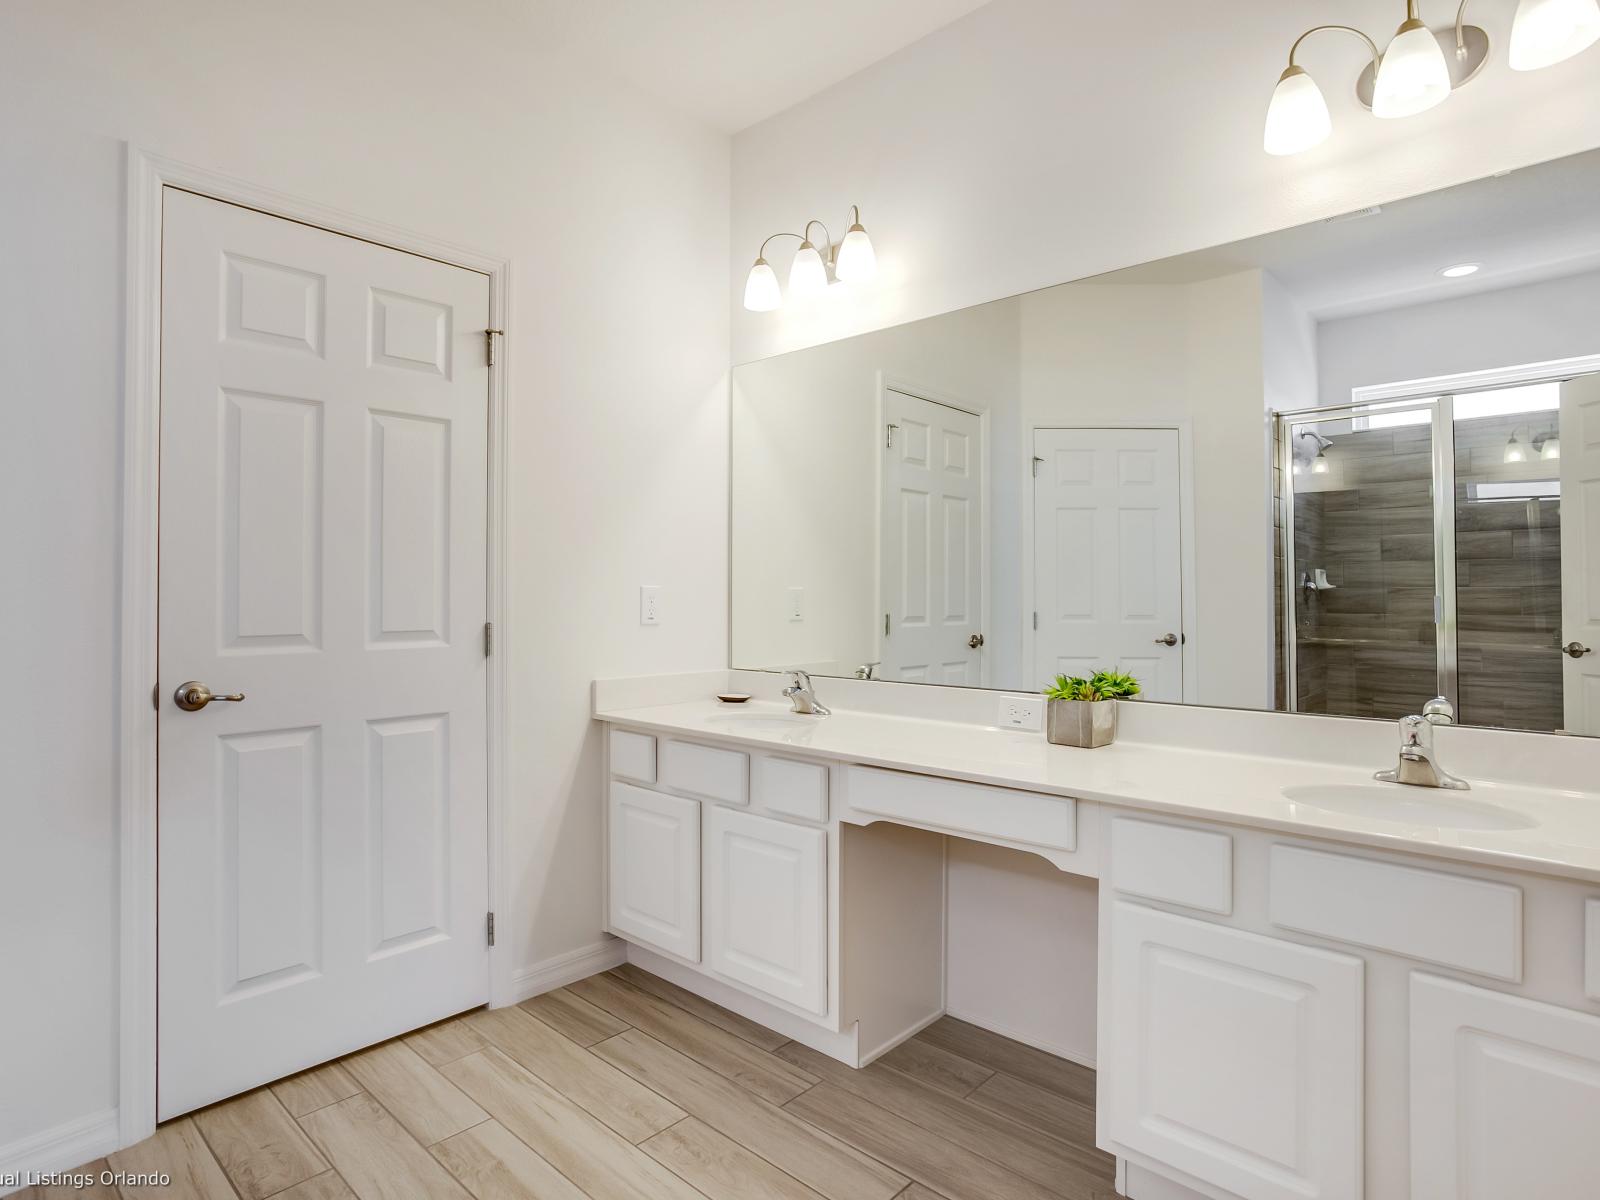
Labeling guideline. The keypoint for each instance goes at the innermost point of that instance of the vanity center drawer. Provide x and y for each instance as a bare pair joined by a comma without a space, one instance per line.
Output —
1031,818
709,772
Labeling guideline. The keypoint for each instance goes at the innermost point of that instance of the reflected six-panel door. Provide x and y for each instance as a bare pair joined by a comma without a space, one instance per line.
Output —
323,839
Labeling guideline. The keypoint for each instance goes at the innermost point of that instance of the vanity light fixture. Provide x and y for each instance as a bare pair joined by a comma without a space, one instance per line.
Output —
1420,67
1548,446
1515,451
1460,270
852,260
1319,464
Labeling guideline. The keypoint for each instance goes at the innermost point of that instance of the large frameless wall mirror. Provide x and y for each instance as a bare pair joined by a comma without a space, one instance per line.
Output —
1339,469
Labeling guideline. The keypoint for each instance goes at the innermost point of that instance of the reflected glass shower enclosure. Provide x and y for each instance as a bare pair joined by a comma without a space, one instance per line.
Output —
1420,557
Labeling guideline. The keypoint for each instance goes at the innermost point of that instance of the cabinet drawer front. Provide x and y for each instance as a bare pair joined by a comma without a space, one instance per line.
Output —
1172,863
1452,920
633,756
767,906
706,771
794,789
1233,1057
653,869
1031,818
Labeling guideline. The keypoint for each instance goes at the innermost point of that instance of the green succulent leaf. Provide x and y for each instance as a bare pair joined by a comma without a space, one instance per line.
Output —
1105,684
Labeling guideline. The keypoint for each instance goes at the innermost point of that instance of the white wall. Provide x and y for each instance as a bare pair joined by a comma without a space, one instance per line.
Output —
1094,353
807,451
1559,318
615,216
1038,141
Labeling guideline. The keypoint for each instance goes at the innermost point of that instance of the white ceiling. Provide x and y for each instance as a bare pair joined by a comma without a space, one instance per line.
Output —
1537,223
735,62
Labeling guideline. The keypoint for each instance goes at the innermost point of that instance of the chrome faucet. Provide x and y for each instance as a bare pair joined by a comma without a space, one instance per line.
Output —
1419,762
803,697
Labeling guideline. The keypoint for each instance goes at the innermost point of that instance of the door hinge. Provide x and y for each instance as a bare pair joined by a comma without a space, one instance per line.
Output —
488,638
1036,461
888,436
490,924
885,624
488,340
1036,620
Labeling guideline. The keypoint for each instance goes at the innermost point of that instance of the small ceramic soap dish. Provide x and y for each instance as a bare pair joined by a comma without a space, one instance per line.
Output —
733,697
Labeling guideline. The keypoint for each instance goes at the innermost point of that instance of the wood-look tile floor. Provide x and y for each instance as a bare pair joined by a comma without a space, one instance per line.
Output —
624,1087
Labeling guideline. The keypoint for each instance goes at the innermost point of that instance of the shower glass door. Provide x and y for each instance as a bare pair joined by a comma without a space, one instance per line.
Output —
1368,558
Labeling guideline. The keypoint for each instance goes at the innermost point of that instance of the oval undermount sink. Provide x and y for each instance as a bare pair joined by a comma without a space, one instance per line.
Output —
1407,805
791,726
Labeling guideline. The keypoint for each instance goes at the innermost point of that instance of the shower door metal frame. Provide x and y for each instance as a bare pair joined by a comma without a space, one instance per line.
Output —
1443,484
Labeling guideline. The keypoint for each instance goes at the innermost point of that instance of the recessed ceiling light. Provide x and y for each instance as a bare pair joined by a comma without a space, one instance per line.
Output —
1460,269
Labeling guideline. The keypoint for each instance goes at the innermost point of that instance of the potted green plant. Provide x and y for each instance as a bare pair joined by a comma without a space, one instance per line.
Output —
1083,712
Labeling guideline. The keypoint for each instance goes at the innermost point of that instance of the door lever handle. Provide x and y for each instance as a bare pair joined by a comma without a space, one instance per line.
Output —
1170,640
194,695
1576,649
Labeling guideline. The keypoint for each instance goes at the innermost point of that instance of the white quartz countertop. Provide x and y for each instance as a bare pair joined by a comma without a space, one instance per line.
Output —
1246,789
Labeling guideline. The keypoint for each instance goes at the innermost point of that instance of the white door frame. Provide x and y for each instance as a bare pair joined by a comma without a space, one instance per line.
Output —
147,175
1186,566
893,383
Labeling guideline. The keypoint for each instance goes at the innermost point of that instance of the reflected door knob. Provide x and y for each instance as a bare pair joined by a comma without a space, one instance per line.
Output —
975,641
1576,649
1170,640
194,695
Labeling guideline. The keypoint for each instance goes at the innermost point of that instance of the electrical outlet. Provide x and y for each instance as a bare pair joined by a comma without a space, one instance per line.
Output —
649,604
797,604
1021,712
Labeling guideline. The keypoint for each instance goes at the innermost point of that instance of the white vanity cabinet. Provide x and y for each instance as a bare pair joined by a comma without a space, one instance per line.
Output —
766,915
1233,1057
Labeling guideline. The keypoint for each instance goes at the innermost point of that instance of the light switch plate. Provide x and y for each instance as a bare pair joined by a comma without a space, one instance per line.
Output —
650,604
1021,712
797,604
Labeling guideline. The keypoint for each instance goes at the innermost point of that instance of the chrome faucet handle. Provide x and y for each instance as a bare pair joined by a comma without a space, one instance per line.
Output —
801,679
1415,731
1439,711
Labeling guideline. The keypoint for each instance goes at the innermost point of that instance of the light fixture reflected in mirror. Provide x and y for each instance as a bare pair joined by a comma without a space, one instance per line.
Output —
1421,66
1516,452
1545,32
850,261
1319,464
1549,447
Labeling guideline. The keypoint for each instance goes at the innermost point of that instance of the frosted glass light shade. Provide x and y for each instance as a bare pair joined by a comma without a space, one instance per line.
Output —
1413,75
1319,465
807,275
1544,32
1515,451
857,262
1551,451
761,288
1297,116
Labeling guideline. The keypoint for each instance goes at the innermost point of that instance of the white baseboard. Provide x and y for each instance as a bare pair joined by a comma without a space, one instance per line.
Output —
1027,1039
562,969
68,1145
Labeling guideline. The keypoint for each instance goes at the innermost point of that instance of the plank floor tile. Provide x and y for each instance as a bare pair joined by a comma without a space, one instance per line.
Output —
177,1149
314,1089
376,1156
602,1164
493,1165
424,1101
785,1140
720,1167
258,1144
597,1087
574,1017
713,1014
446,1041
726,1054
1003,1054
627,1087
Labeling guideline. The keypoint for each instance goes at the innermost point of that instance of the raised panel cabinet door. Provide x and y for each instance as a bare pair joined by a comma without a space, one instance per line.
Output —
324,841
1505,1095
1233,1057
767,906
654,869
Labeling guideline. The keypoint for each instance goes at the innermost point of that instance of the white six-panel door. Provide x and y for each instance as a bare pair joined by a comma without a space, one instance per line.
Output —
932,542
323,843
1108,568
1580,551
